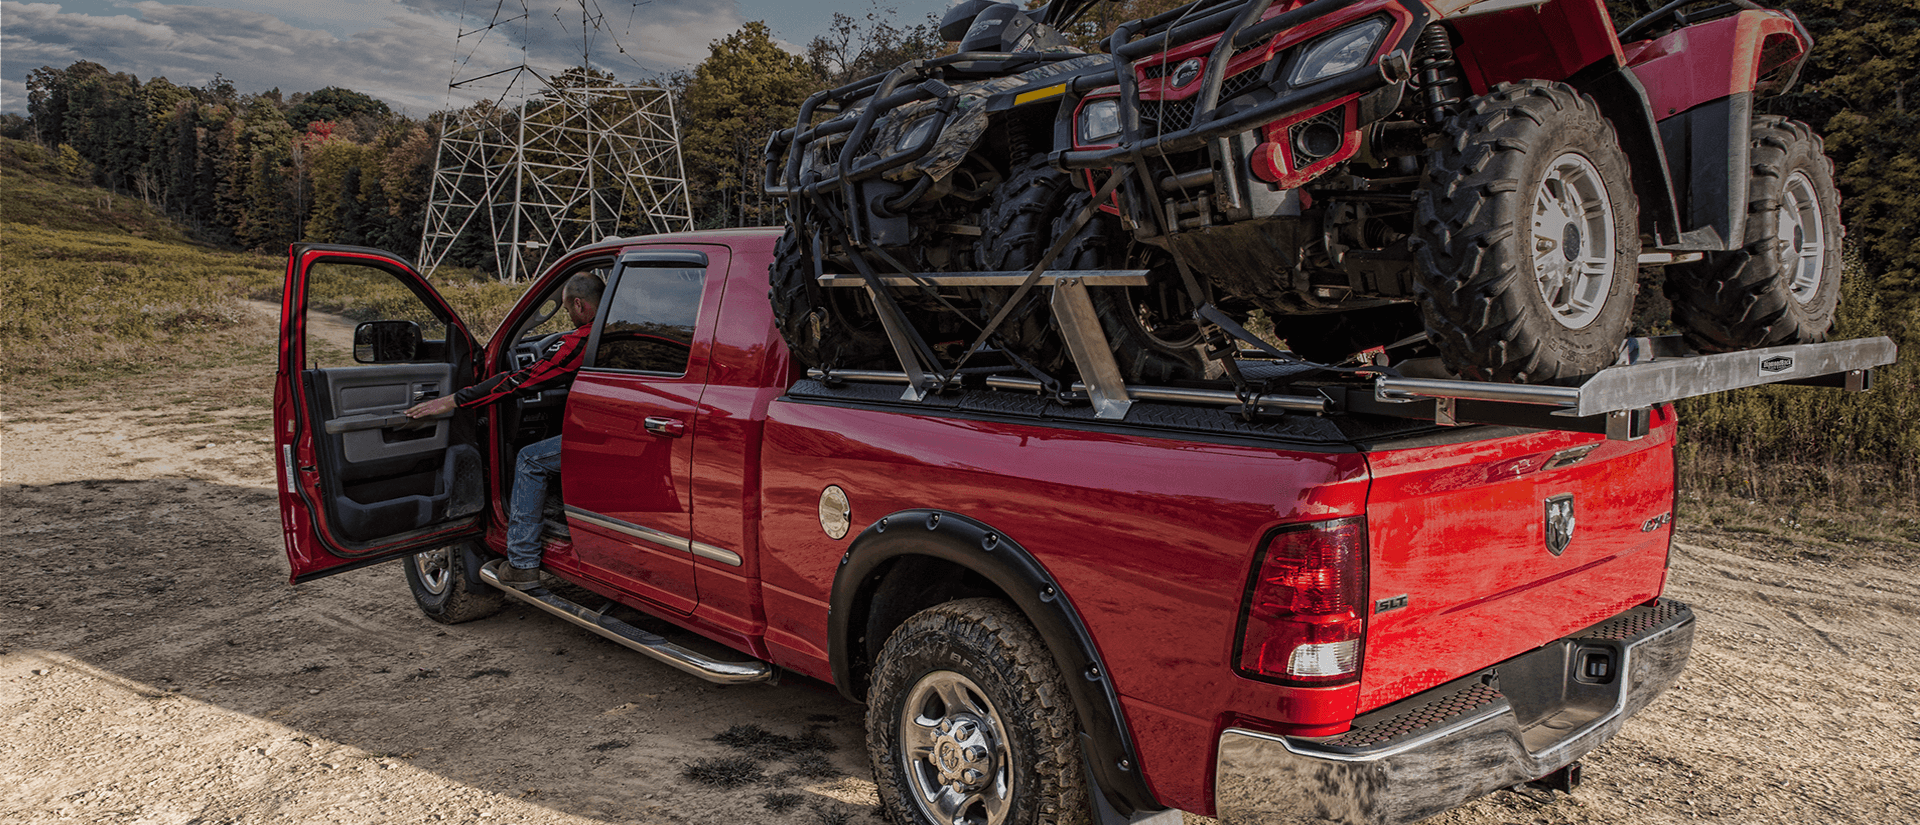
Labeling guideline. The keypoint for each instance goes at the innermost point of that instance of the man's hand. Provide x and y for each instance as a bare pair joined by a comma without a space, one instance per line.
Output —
432,408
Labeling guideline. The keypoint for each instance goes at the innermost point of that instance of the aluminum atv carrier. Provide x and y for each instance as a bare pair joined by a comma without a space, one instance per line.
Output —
1616,401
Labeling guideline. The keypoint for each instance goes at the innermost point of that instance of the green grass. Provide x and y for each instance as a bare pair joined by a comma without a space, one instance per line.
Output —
99,288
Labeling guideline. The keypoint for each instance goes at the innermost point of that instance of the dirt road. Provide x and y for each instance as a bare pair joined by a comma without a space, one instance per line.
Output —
155,667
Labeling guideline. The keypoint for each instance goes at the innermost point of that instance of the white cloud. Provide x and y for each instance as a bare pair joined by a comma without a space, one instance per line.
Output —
402,52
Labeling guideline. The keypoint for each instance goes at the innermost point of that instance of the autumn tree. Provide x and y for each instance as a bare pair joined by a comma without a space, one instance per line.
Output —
745,89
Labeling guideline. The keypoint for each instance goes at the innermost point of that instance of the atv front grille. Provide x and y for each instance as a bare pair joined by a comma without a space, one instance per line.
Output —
1160,117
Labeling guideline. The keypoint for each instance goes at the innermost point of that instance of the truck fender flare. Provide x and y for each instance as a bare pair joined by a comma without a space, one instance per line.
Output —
1106,741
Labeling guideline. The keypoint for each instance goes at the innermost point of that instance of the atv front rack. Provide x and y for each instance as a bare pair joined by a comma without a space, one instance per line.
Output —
1616,401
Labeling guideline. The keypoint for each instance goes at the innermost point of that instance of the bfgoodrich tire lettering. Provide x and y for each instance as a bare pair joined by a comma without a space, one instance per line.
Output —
1527,237
1783,286
969,721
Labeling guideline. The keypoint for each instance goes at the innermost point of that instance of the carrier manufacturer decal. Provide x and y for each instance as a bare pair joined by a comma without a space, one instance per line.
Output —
1560,521
1774,365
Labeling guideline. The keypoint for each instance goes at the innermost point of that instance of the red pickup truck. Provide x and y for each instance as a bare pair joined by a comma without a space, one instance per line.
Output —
1050,614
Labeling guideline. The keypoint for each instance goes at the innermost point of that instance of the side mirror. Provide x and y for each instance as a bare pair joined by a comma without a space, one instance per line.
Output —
387,342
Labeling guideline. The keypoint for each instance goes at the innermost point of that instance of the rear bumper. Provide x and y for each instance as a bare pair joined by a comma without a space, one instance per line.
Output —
1518,721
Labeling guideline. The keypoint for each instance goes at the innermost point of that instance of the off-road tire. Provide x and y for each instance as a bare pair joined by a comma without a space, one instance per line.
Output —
1150,347
839,333
991,647
1475,276
438,579
1747,298
1015,231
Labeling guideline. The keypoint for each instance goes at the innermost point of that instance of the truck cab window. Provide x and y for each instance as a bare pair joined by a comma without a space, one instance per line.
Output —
649,320
342,296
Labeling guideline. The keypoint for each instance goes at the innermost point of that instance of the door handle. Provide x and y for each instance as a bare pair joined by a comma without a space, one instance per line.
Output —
669,427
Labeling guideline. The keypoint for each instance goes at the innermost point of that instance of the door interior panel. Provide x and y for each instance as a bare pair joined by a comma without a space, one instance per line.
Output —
389,480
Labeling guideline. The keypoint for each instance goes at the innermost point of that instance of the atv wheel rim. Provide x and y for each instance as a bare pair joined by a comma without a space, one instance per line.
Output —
1573,241
1800,241
954,751
435,568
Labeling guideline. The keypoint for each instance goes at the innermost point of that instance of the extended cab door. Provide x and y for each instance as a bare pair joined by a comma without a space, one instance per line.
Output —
359,482
628,445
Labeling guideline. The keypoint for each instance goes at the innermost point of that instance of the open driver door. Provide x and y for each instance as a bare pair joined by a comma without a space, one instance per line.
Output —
359,482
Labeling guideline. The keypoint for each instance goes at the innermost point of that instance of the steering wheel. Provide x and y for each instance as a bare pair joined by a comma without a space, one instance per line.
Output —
548,342
1646,26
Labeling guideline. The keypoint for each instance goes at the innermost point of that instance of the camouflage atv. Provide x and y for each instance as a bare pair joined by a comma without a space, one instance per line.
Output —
931,167
1472,187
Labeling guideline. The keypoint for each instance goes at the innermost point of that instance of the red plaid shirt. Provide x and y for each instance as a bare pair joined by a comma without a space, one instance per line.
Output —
557,366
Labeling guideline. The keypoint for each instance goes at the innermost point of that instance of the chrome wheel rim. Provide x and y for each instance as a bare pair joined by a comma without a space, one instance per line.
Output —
1573,240
435,568
954,752
1800,239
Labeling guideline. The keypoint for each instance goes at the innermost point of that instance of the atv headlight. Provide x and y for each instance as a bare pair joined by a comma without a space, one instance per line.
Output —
1343,51
915,134
1099,121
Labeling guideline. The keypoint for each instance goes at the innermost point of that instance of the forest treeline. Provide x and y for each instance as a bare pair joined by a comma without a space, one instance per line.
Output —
259,170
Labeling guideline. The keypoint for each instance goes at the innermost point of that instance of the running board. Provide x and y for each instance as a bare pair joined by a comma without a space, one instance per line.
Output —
633,638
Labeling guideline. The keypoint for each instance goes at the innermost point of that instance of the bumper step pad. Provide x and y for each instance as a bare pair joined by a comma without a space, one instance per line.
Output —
1511,723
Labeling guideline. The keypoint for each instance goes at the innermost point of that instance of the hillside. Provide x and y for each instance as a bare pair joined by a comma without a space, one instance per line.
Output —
96,286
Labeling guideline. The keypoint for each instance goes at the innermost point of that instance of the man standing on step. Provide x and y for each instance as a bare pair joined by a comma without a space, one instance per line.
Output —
539,462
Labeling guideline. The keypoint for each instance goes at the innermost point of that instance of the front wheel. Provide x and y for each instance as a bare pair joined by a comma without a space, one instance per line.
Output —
1784,285
438,579
968,722
1527,238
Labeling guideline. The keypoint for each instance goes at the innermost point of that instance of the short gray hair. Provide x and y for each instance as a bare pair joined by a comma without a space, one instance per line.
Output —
586,286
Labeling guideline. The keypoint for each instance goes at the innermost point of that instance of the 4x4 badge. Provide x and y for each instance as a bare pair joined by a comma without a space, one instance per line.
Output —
1559,530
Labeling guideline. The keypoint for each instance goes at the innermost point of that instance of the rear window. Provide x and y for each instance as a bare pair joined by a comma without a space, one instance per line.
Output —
650,319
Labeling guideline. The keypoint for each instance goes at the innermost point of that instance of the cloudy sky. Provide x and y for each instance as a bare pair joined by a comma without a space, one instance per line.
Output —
403,51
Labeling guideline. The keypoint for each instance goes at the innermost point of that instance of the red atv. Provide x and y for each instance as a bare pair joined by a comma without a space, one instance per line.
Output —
1481,179
1493,174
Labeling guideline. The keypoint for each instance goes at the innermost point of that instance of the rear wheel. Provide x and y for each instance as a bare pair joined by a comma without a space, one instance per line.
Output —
1527,238
1150,328
968,722
1016,230
1784,285
438,579
823,327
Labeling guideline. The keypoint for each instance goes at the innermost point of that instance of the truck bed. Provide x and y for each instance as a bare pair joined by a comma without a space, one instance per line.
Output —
1154,523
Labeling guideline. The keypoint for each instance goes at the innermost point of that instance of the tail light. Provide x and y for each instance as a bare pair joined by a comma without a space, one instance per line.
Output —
1304,618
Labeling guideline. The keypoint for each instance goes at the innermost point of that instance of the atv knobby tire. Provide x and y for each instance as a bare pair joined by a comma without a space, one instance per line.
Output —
1151,328
969,722
1782,287
823,330
1015,231
1527,237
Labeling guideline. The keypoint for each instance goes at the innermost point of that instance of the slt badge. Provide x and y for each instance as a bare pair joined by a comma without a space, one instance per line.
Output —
1559,523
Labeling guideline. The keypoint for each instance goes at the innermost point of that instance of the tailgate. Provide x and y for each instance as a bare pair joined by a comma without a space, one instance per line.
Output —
1462,573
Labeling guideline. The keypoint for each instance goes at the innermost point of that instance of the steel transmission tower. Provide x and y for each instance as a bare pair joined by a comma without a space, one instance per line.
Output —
552,162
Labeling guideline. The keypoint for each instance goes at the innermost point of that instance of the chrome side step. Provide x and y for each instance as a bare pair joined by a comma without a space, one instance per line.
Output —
628,636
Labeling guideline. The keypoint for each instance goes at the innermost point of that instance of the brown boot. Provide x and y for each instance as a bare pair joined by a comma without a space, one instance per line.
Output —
517,578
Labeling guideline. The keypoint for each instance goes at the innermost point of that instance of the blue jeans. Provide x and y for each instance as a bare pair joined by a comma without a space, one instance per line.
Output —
538,463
